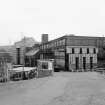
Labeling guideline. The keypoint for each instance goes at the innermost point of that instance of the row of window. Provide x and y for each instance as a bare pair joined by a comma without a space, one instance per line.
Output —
53,44
81,51
59,53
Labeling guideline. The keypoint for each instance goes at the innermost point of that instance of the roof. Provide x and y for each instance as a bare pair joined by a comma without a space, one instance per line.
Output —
6,48
4,55
20,69
32,52
27,42
74,36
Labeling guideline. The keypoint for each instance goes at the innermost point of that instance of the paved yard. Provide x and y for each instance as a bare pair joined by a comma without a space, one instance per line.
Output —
64,88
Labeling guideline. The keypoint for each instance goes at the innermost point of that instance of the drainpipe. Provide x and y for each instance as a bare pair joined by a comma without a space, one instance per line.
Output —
65,55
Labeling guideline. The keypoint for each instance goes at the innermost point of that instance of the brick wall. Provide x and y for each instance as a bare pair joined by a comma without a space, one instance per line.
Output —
85,41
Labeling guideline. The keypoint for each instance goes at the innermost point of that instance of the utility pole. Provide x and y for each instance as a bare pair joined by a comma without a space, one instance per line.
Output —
23,49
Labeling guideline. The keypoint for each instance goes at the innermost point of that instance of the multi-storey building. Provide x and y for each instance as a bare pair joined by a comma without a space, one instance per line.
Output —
72,52
69,52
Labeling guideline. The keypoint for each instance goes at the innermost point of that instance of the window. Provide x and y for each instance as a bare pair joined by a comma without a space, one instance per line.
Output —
44,65
63,41
53,44
46,46
87,50
43,46
57,43
80,50
60,42
50,45
40,47
73,51
94,51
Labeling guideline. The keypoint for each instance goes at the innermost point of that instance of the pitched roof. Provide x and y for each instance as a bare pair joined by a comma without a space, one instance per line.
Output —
27,41
32,52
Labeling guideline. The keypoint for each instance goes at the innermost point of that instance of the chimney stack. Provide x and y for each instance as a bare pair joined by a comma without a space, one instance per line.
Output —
44,38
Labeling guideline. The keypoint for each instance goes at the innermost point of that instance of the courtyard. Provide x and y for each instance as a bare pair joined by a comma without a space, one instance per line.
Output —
63,88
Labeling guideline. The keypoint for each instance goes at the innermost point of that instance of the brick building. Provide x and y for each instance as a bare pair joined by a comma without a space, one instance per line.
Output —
72,52
69,52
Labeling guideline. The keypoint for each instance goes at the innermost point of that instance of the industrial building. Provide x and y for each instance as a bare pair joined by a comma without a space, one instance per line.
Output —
20,48
70,52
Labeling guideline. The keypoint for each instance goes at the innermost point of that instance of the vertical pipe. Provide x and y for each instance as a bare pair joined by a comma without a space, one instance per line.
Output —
66,64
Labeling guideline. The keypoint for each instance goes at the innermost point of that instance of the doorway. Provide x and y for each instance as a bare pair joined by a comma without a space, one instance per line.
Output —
18,56
84,63
77,63
91,63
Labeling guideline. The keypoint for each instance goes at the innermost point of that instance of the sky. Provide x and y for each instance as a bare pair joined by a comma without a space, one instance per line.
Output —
31,18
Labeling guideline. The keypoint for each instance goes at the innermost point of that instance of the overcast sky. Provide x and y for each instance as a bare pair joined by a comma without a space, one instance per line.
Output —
55,17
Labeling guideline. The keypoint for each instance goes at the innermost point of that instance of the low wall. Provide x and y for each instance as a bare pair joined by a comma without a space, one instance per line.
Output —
72,67
44,73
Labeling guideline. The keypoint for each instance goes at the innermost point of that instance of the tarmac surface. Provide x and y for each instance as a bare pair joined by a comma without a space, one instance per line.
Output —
63,88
